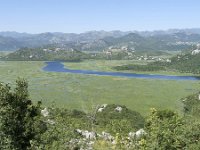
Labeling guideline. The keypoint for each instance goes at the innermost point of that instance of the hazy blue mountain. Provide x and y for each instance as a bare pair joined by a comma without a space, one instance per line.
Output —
9,44
176,41
173,39
14,34
167,32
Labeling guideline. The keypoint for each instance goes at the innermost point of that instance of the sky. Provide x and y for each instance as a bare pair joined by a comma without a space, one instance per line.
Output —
76,16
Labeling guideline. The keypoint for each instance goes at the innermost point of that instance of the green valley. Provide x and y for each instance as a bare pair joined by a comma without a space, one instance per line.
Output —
85,91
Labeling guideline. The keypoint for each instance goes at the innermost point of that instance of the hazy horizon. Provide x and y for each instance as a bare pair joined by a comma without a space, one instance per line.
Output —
106,31
36,16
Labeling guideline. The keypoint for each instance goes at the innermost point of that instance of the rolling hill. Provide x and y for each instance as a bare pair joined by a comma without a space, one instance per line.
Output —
42,54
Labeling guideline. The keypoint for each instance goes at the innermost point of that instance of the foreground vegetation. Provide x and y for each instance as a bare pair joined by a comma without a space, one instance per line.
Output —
25,125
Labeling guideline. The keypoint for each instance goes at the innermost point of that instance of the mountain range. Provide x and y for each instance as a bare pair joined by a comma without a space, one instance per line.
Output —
173,39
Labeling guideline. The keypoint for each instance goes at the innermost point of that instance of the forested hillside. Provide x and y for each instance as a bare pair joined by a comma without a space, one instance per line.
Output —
46,54
186,62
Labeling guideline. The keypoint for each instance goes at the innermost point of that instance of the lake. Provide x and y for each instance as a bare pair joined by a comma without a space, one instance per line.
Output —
57,66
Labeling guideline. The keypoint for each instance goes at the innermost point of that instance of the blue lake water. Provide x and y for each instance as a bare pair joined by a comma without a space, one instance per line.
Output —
57,66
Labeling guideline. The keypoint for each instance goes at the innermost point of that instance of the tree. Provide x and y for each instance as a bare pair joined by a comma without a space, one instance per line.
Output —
165,130
19,117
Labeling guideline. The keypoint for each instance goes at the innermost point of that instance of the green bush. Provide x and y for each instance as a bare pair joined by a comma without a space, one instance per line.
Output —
19,117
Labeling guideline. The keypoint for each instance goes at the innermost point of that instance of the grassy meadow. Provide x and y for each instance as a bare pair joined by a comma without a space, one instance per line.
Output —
86,91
